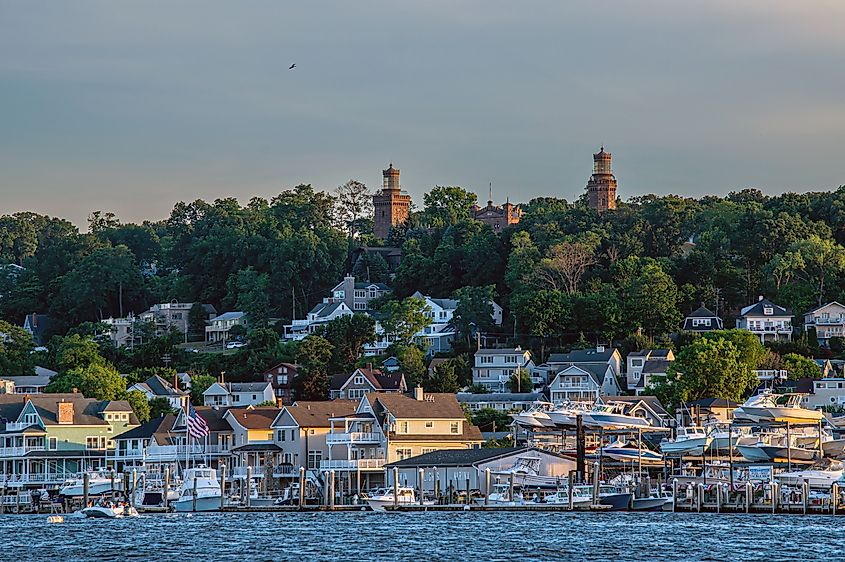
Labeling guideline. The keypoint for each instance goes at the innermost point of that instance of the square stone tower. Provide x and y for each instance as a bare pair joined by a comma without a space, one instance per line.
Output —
601,189
391,204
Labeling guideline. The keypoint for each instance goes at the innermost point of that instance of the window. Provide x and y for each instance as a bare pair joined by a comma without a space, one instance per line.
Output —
282,379
358,380
314,458
287,458
404,427
403,454
96,442
455,427
281,434
53,443
291,435
486,359
429,425
428,450
768,310
254,397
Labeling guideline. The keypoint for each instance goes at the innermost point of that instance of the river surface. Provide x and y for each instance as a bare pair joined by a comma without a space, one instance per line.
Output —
419,537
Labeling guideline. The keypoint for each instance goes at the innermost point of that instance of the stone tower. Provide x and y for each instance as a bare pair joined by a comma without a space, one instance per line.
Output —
601,188
391,204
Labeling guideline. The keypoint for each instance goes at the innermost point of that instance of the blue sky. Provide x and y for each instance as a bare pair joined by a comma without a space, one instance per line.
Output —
131,106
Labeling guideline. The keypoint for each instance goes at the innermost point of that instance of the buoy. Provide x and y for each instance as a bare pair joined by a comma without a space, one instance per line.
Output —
55,519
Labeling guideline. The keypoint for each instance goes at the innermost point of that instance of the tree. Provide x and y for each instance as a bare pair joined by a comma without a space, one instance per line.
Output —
489,419
751,351
15,350
100,284
140,405
565,265
77,352
446,205
817,260
371,267
199,384
650,299
411,364
314,354
348,335
100,381
404,318
520,381
445,378
160,406
709,368
249,290
196,322
141,374
353,202
474,309
799,367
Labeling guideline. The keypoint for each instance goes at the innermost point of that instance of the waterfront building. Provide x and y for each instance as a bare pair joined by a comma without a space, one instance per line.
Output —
38,325
586,382
252,441
766,320
601,188
238,394
493,368
391,204
828,320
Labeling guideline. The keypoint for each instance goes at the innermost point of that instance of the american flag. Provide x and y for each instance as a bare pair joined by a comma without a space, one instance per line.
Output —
197,427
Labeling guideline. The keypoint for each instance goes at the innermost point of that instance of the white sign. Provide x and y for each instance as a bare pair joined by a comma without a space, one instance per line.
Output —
760,473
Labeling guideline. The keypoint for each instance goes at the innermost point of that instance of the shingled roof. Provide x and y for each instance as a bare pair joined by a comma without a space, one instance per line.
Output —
318,413
438,405
254,418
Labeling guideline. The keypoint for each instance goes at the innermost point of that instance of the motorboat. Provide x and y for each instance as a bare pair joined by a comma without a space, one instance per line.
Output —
566,414
627,452
725,437
834,448
150,491
772,447
692,440
655,501
612,416
99,483
110,510
380,500
770,409
208,495
502,495
740,414
821,475
535,417
713,472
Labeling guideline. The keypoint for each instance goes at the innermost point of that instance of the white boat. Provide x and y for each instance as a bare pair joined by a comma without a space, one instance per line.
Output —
821,475
740,413
612,416
535,417
692,440
768,409
566,415
109,511
207,486
623,451
99,483
386,498
150,491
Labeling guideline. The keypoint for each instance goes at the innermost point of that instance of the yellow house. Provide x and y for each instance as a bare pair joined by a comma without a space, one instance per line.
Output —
252,440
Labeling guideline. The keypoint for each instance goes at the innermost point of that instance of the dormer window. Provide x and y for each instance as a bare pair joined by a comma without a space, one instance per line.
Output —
768,310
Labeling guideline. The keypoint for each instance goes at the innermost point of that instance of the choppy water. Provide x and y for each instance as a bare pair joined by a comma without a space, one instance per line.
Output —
418,537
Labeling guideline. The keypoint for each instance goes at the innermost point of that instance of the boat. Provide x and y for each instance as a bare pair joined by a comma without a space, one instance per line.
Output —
627,452
692,440
612,416
99,483
821,475
380,500
207,486
109,510
656,501
150,491
772,447
768,409
617,498
535,417
501,495
582,496
566,414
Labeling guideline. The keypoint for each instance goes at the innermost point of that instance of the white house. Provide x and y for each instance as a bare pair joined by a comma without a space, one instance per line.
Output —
766,320
828,320
219,326
583,383
636,364
238,394
501,401
493,368
321,314
597,356
157,387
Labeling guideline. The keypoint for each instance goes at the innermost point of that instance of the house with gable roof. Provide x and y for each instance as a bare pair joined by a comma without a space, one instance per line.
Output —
365,380
702,320
493,368
238,394
766,320
828,321
645,364
157,387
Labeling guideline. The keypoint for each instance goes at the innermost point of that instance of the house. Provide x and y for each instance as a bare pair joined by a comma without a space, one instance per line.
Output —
501,401
157,387
151,444
45,438
600,355
26,384
390,365
718,409
121,331
38,325
239,394
585,382
646,407
461,468
356,295
493,368
219,326
766,320
252,441
281,377
827,392
364,380
702,320
321,314
637,361
828,320
300,432
173,316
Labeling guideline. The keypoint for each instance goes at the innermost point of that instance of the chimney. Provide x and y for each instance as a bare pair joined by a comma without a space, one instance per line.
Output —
369,366
65,413
760,298
418,393
176,381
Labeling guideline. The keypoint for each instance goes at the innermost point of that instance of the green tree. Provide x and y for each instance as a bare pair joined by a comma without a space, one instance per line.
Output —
100,381
160,406
249,290
520,381
818,260
141,374
199,384
798,367
751,351
77,352
196,322
650,301
488,419
353,203
474,310
446,205
314,354
411,364
348,335
15,350
404,318
445,378
140,405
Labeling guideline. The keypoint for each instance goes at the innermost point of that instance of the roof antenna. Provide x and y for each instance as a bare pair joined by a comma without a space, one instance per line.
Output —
490,201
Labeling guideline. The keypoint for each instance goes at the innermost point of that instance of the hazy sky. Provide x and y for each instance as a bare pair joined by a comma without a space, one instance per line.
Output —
131,106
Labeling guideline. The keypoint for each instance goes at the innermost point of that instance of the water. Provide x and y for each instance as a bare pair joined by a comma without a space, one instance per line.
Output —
418,537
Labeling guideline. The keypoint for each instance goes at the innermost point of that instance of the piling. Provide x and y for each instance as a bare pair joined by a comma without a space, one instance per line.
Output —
248,485
570,491
395,487
222,485
775,496
718,498
580,448
134,486
788,449
486,486
421,476
332,497
301,487
748,493
596,483
510,487
124,484
834,497
699,497
86,485
805,495
194,495
674,494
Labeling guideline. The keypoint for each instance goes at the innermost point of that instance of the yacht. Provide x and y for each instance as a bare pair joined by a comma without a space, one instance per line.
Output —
207,487
582,496
741,414
150,491
627,452
381,499
109,510
655,501
501,495
99,482
566,415
536,417
821,475
771,447
692,440
612,415
768,409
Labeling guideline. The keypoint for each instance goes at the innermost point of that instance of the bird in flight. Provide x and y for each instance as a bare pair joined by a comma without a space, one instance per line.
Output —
291,67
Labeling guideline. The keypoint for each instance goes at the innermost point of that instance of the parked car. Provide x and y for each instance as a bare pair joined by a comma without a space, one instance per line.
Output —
235,345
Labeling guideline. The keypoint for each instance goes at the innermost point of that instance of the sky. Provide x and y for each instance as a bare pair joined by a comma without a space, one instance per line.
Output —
130,107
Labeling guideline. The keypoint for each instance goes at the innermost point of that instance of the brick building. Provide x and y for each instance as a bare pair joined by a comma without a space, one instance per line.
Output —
391,204
601,189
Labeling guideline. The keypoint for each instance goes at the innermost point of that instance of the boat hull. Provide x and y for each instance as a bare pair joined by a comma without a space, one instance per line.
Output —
695,447
820,479
648,504
205,503
617,502
778,414
94,489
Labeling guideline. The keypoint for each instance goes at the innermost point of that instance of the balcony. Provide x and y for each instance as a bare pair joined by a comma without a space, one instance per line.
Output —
836,321
49,478
351,438
12,452
362,464
285,471
164,453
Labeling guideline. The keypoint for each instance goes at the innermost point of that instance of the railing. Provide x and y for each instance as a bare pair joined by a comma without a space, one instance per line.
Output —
165,452
17,426
829,321
50,477
363,464
241,472
353,437
770,374
575,386
19,451
285,471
